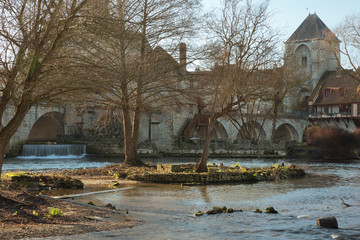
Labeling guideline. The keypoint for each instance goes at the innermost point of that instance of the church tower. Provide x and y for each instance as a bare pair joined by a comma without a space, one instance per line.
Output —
311,51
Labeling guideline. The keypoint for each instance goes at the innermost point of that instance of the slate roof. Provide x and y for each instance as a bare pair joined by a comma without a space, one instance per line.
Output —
334,82
312,28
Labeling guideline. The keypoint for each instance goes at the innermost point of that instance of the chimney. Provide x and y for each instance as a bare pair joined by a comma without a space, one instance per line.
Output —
183,58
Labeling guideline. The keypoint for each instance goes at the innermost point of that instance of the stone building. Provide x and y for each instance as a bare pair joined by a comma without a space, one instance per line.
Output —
311,50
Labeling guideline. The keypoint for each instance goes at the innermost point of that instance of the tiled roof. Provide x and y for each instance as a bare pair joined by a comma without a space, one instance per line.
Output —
312,28
336,82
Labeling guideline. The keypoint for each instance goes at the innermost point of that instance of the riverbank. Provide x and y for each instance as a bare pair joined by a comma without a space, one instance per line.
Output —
25,215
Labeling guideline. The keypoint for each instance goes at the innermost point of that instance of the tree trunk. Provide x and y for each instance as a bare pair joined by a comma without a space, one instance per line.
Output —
2,152
135,133
12,126
202,165
131,157
273,130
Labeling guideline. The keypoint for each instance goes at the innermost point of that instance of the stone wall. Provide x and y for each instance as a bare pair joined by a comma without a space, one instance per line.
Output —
247,176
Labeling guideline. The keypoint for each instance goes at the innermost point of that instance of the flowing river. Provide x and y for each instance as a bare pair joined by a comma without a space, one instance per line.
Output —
166,211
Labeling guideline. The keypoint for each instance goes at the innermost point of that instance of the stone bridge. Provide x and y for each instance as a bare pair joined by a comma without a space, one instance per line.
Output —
47,124
41,124
169,128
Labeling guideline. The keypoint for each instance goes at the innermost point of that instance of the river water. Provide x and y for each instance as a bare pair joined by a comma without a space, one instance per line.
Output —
166,211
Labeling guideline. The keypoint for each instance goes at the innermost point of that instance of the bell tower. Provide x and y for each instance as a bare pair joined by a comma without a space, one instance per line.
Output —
311,51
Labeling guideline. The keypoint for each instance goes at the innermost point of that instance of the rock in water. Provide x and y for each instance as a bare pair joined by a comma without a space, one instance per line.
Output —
328,222
218,209
270,210
198,214
257,211
229,210
109,205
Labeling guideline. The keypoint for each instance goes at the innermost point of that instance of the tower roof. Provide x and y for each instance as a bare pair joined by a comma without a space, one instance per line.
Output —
312,28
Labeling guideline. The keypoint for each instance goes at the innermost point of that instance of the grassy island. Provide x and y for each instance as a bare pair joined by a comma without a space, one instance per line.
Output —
185,174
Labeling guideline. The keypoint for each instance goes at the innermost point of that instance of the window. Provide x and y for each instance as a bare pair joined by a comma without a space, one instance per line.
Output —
327,92
304,61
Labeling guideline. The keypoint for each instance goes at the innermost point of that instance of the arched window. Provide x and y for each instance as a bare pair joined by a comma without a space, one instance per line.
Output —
303,55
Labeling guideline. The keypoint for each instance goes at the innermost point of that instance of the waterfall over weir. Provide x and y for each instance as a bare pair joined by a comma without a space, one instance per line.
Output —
54,150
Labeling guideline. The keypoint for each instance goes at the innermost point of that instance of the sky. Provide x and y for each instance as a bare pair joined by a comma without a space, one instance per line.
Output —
289,14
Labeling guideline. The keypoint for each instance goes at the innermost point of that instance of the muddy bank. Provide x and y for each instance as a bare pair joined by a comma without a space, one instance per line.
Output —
24,215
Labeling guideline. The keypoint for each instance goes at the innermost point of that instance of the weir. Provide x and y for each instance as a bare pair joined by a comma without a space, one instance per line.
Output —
53,150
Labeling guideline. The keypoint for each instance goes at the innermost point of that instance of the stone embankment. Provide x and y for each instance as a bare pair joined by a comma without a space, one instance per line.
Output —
183,174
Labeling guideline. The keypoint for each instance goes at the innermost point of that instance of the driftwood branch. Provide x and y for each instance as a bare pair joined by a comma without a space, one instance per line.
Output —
344,203
348,205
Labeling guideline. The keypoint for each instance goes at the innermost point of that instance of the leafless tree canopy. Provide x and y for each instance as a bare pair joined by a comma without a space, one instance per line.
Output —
33,37
125,67
243,44
349,34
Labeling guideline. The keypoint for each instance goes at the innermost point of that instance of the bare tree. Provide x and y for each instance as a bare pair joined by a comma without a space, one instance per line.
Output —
246,119
244,43
349,34
132,72
32,42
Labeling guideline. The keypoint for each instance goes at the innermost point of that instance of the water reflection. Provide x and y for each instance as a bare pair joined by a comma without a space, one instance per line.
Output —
204,194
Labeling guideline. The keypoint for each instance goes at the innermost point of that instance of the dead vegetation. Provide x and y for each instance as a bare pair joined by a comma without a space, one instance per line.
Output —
23,215
334,143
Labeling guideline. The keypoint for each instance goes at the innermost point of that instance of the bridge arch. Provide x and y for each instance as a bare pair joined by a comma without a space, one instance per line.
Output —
47,128
251,131
197,129
286,132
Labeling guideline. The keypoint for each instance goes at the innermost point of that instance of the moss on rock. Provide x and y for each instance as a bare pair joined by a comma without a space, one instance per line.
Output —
35,181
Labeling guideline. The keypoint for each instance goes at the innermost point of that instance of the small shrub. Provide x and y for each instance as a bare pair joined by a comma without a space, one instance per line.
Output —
55,212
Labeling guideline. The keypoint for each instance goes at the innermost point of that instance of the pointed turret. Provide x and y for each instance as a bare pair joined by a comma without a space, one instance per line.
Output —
310,29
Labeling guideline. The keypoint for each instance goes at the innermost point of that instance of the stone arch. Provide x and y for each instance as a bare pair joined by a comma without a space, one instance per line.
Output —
47,128
251,131
218,133
302,98
304,93
286,132
197,129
